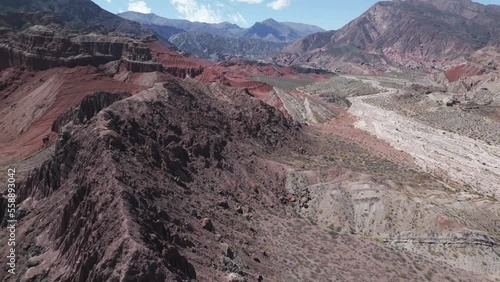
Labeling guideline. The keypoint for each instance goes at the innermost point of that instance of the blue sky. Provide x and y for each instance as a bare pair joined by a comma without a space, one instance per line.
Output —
328,14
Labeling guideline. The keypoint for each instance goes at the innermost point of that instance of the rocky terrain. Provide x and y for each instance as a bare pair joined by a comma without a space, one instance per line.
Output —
409,34
463,158
229,215
415,120
137,163
41,48
46,70
76,14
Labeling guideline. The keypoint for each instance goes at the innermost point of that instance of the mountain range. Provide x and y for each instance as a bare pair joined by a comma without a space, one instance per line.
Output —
221,48
269,30
76,14
223,41
408,33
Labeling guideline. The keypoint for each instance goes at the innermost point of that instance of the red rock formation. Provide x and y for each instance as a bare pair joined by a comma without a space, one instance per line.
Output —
461,71
484,61
176,64
45,95
42,48
120,219
88,108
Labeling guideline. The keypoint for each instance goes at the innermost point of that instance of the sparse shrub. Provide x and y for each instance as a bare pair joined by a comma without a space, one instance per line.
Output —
429,275
333,234
352,230
493,198
431,250
311,220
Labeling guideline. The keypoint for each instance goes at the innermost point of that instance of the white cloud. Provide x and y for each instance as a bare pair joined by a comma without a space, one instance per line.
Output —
139,6
249,1
278,4
194,11
109,1
238,18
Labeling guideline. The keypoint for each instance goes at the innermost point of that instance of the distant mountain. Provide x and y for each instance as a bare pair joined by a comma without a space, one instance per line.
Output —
224,40
218,48
164,30
310,42
269,29
76,14
304,29
225,28
272,30
402,32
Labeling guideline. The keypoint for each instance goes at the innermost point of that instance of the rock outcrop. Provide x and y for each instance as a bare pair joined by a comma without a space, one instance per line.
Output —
117,217
42,48
88,108
484,61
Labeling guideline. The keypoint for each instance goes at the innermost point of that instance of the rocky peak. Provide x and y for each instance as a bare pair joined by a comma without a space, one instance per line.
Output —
272,30
76,14
270,21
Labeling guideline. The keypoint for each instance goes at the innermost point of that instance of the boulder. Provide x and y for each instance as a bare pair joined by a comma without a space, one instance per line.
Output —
206,223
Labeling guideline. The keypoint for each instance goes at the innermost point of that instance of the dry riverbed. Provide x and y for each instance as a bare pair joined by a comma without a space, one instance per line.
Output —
472,162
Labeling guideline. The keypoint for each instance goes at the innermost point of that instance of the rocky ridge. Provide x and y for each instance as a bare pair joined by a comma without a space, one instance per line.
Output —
221,48
224,41
42,48
74,14
209,149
